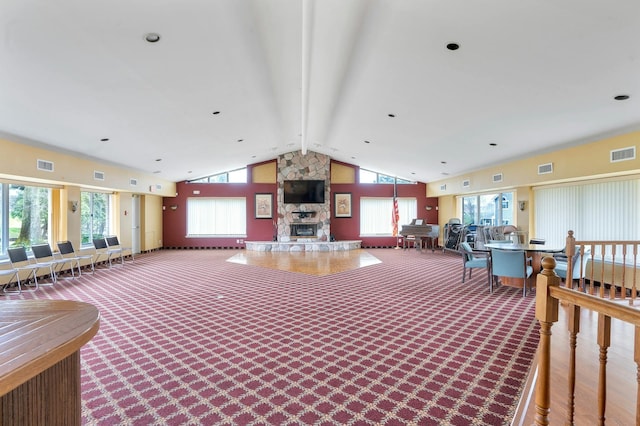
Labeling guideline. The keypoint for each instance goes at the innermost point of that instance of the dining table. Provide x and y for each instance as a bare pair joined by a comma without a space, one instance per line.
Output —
534,251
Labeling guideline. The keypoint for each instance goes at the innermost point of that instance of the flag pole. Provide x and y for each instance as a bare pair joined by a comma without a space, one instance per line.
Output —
395,211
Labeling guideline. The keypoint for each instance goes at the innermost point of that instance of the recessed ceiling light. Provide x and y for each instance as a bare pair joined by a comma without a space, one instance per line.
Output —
240,140
158,159
152,37
621,97
367,142
391,115
443,162
493,144
444,174
104,140
353,158
453,46
190,171
157,171
216,112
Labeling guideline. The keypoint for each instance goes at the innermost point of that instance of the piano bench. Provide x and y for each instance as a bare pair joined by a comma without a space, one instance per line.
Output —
410,239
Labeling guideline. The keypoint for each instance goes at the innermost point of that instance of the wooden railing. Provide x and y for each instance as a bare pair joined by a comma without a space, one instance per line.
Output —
607,284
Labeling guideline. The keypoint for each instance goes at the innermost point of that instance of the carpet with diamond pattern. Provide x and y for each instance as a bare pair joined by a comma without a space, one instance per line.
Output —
189,338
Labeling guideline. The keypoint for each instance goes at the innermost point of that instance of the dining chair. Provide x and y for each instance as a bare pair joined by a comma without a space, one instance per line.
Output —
511,264
473,259
578,264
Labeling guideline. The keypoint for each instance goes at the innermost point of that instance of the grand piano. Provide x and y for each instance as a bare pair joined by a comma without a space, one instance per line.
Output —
420,232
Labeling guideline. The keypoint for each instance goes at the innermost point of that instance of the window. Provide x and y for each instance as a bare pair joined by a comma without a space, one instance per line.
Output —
376,214
488,209
606,210
367,176
94,216
233,176
216,217
25,215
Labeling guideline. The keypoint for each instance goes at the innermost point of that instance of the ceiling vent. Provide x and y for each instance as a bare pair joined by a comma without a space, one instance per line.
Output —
44,165
443,187
623,154
497,178
545,169
133,182
98,175
158,187
466,183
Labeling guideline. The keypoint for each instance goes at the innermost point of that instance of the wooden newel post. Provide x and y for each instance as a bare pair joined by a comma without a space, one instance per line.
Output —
546,314
570,250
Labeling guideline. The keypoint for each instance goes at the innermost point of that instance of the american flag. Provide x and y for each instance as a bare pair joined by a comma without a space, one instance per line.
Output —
395,217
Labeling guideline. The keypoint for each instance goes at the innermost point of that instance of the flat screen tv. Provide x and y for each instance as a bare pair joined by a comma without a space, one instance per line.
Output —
303,191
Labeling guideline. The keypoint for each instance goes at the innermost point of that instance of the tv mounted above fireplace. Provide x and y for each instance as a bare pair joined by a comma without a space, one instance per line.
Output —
303,191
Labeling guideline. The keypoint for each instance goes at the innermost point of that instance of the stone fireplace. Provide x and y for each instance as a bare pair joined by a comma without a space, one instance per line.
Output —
306,221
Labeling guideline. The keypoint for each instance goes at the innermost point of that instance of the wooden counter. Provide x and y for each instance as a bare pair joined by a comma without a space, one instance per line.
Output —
40,343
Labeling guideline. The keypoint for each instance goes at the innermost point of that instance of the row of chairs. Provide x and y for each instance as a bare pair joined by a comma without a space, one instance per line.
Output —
55,263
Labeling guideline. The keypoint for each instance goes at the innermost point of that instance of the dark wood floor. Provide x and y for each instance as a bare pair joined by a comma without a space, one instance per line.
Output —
621,374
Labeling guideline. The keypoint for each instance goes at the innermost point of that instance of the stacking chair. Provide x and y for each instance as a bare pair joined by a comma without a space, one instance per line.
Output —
20,261
115,245
43,254
512,264
67,251
103,250
10,275
473,259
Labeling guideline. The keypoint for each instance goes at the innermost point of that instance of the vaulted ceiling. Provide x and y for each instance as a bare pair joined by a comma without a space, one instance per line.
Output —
376,83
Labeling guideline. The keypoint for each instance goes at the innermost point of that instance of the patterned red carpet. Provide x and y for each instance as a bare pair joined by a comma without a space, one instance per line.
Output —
189,338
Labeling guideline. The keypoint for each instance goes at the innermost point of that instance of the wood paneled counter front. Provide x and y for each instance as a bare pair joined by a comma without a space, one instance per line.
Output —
40,343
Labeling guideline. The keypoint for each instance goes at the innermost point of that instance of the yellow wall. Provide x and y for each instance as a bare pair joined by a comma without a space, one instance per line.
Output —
70,176
588,161
265,173
151,219
342,174
18,162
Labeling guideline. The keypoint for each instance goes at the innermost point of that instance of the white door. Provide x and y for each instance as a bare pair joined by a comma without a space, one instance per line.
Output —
135,223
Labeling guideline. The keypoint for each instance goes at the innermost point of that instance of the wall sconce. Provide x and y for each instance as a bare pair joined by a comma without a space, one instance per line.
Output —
173,207
521,205
73,206
429,208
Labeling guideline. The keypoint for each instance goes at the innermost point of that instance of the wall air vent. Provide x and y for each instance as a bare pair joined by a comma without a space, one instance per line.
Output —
158,187
98,175
466,183
497,178
443,187
544,169
133,182
45,165
623,154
